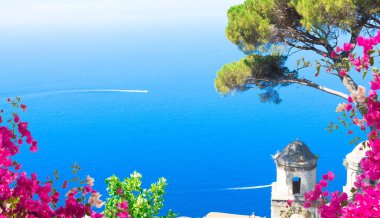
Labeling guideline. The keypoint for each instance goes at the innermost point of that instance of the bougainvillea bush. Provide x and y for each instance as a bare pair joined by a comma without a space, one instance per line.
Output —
366,194
24,195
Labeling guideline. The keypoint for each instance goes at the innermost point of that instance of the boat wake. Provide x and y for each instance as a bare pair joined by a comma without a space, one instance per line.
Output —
223,189
249,187
73,91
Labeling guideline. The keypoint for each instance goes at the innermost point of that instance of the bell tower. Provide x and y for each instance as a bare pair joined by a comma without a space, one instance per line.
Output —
296,174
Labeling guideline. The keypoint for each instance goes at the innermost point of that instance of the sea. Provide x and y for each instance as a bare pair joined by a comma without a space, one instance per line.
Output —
172,122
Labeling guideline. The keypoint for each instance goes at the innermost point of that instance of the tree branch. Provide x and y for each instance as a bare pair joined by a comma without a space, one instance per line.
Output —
305,47
375,19
309,83
305,82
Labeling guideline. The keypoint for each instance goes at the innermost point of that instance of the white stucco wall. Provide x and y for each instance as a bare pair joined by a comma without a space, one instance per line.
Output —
284,182
282,189
352,163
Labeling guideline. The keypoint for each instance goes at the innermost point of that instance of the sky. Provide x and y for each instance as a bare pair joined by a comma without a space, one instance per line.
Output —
105,12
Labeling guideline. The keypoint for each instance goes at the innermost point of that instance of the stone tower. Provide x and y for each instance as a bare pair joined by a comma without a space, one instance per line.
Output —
352,164
296,174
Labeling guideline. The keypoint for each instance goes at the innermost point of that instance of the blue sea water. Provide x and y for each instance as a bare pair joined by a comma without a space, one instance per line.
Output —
182,129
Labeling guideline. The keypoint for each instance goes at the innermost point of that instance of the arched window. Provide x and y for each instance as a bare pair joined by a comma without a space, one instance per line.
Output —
296,185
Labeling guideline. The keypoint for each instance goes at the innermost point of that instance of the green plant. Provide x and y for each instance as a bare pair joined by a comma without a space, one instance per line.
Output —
141,203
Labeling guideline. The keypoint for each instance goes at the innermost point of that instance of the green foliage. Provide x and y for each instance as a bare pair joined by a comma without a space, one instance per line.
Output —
259,23
143,203
340,13
248,24
264,72
232,76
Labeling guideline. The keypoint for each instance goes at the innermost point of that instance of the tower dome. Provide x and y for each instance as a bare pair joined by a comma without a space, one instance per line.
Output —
296,155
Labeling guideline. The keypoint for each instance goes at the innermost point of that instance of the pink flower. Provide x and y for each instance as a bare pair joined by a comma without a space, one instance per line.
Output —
343,72
88,189
34,147
341,107
95,201
64,184
120,191
350,99
348,107
16,118
90,180
375,83
123,215
323,183
23,106
347,47
43,193
289,202
123,207
307,205
338,49
358,122
55,197
359,95
333,55
17,166
330,176
72,191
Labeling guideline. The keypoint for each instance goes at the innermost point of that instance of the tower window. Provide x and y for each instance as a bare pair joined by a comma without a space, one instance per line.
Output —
296,185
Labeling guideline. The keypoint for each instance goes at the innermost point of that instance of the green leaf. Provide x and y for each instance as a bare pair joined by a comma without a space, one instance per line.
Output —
364,74
371,61
318,68
371,52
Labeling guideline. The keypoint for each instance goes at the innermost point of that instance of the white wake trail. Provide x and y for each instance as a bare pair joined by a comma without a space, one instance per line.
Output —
223,189
72,91
249,187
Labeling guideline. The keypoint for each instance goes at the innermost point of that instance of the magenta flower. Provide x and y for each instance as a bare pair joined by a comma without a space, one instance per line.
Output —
64,184
289,202
338,49
16,118
120,191
23,106
343,72
88,189
347,47
348,107
323,183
